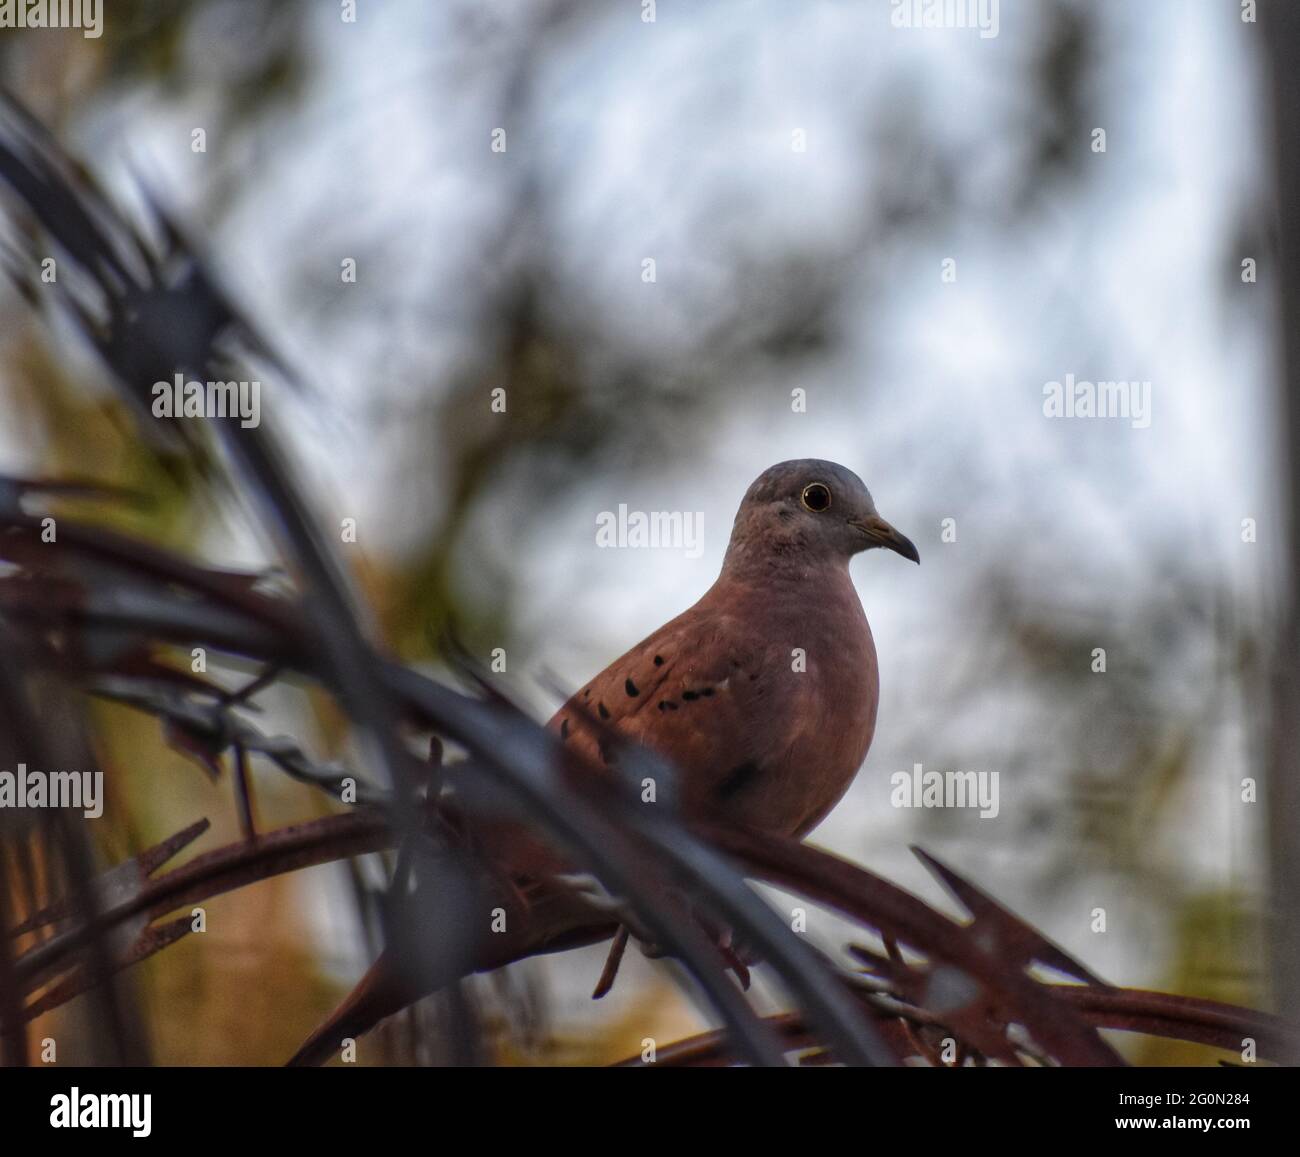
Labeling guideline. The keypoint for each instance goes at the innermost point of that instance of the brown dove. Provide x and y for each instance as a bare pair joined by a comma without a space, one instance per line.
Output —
763,694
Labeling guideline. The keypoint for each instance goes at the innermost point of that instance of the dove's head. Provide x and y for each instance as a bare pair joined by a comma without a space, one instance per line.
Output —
810,510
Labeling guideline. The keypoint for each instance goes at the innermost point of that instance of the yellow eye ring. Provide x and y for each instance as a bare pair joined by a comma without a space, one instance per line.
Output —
816,497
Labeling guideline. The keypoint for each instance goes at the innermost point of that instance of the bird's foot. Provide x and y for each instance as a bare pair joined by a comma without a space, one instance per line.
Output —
731,959
610,972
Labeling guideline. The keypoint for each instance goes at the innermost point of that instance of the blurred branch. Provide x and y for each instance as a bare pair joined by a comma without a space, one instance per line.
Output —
1187,1018
555,916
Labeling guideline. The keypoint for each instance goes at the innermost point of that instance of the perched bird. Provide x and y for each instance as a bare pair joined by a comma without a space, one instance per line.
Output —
763,694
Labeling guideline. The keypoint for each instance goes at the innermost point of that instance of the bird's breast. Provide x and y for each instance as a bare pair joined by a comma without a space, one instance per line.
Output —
821,714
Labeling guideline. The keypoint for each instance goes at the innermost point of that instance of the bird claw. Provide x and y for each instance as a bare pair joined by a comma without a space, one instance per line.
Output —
618,946
610,972
734,962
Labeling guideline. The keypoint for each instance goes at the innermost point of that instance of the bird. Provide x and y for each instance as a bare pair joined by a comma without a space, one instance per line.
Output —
762,695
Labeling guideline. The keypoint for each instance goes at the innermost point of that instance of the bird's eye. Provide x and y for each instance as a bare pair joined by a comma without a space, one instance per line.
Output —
816,497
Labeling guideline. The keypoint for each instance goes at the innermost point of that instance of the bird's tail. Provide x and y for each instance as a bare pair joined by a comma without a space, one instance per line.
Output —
377,994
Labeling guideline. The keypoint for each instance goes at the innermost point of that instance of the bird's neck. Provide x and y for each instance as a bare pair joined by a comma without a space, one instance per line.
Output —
765,565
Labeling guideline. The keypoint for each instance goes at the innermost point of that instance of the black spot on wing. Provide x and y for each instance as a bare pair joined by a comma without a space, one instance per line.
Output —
630,688
604,711
737,779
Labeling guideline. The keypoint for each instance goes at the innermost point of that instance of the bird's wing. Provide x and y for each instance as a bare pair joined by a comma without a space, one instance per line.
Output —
709,696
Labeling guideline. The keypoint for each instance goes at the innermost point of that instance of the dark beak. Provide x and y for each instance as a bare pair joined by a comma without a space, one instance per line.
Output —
880,533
